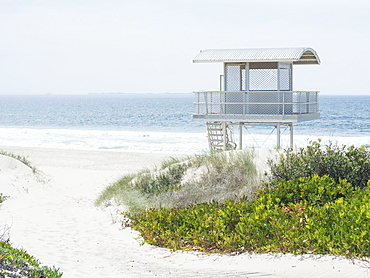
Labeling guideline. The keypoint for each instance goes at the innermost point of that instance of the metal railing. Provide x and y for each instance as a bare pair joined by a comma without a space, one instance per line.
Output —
256,102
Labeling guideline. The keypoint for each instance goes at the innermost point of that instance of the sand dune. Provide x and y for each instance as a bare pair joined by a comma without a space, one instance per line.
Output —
57,222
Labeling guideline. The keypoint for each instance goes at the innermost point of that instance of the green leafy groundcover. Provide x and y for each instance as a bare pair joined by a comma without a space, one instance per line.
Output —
18,263
308,215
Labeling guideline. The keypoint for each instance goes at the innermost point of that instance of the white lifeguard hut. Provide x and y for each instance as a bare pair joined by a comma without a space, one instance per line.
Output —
256,89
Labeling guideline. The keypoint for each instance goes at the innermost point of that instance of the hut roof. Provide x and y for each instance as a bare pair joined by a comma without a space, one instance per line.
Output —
297,55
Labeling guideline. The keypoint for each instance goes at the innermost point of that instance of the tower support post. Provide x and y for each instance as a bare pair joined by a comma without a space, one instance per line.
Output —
224,137
240,136
291,135
278,135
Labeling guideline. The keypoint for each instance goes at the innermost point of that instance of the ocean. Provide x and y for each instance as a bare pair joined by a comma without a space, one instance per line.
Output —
158,123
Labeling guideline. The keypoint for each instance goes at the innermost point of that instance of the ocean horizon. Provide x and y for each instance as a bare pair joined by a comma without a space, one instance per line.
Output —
159,123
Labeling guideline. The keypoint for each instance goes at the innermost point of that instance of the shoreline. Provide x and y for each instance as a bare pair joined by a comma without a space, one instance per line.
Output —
59,224
157,142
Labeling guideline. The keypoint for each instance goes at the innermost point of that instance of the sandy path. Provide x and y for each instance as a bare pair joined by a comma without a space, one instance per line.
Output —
59,224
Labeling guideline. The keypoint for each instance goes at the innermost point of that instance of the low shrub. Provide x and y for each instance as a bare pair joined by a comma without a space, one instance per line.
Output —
18,263
352,163
312,191
316,215
2,198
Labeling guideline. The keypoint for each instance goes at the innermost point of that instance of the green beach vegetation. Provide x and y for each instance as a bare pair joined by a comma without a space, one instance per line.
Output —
18,263
315,200
2,198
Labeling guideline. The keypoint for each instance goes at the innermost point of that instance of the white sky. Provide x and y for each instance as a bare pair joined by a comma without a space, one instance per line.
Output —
146,46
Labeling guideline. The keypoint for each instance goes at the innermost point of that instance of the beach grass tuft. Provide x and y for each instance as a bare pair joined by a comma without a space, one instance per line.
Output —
22,159
195,179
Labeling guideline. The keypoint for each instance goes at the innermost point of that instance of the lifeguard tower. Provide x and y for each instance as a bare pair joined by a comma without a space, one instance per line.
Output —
256,89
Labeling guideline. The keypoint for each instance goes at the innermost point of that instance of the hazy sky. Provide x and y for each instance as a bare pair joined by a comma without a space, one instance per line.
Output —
105,46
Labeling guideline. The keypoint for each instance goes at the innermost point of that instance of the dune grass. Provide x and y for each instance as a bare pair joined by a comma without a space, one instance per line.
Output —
180,182
22,159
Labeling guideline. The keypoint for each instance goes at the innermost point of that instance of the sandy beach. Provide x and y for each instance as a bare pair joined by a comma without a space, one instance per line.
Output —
53,217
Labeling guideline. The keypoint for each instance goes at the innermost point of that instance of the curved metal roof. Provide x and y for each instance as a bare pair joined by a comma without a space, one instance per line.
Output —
298,55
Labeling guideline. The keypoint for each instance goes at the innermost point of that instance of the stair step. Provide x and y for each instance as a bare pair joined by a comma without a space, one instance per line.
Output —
216,136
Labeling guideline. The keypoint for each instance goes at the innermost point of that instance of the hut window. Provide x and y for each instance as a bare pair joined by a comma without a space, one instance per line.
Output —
263,76
285,74
235,77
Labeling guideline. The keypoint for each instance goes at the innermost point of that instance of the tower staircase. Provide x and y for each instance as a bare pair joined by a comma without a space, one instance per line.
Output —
216,135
